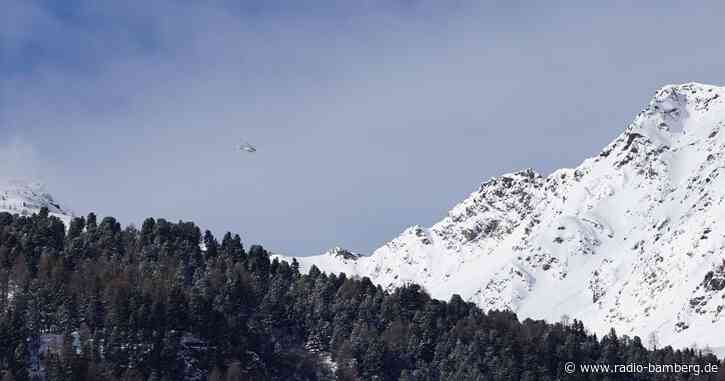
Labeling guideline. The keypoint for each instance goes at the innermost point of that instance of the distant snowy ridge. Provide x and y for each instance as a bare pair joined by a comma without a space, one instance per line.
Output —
18,197
633,238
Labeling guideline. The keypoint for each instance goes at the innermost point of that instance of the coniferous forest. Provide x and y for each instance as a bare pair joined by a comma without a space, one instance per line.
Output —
101,302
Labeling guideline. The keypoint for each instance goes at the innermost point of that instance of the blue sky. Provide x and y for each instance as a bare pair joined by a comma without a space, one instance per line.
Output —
368,117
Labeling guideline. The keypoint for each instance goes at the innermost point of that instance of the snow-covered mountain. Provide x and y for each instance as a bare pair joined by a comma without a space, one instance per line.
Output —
19,197
633,238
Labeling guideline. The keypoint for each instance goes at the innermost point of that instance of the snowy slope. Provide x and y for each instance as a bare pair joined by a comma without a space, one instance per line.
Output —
17,197
633,238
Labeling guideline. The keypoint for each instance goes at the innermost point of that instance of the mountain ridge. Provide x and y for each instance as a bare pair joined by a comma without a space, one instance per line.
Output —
26,197
628,239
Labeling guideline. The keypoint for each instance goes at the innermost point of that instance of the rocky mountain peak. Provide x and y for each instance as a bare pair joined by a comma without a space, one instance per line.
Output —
632,238
26,198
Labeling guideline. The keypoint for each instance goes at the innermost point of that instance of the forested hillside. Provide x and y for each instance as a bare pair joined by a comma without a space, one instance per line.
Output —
102,302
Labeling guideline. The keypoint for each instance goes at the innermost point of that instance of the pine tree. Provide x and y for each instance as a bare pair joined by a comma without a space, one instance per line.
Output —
76,227
147,231
91,223
211,245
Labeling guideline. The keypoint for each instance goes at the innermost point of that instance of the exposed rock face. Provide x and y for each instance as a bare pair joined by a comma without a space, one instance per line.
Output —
343,254
633,238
